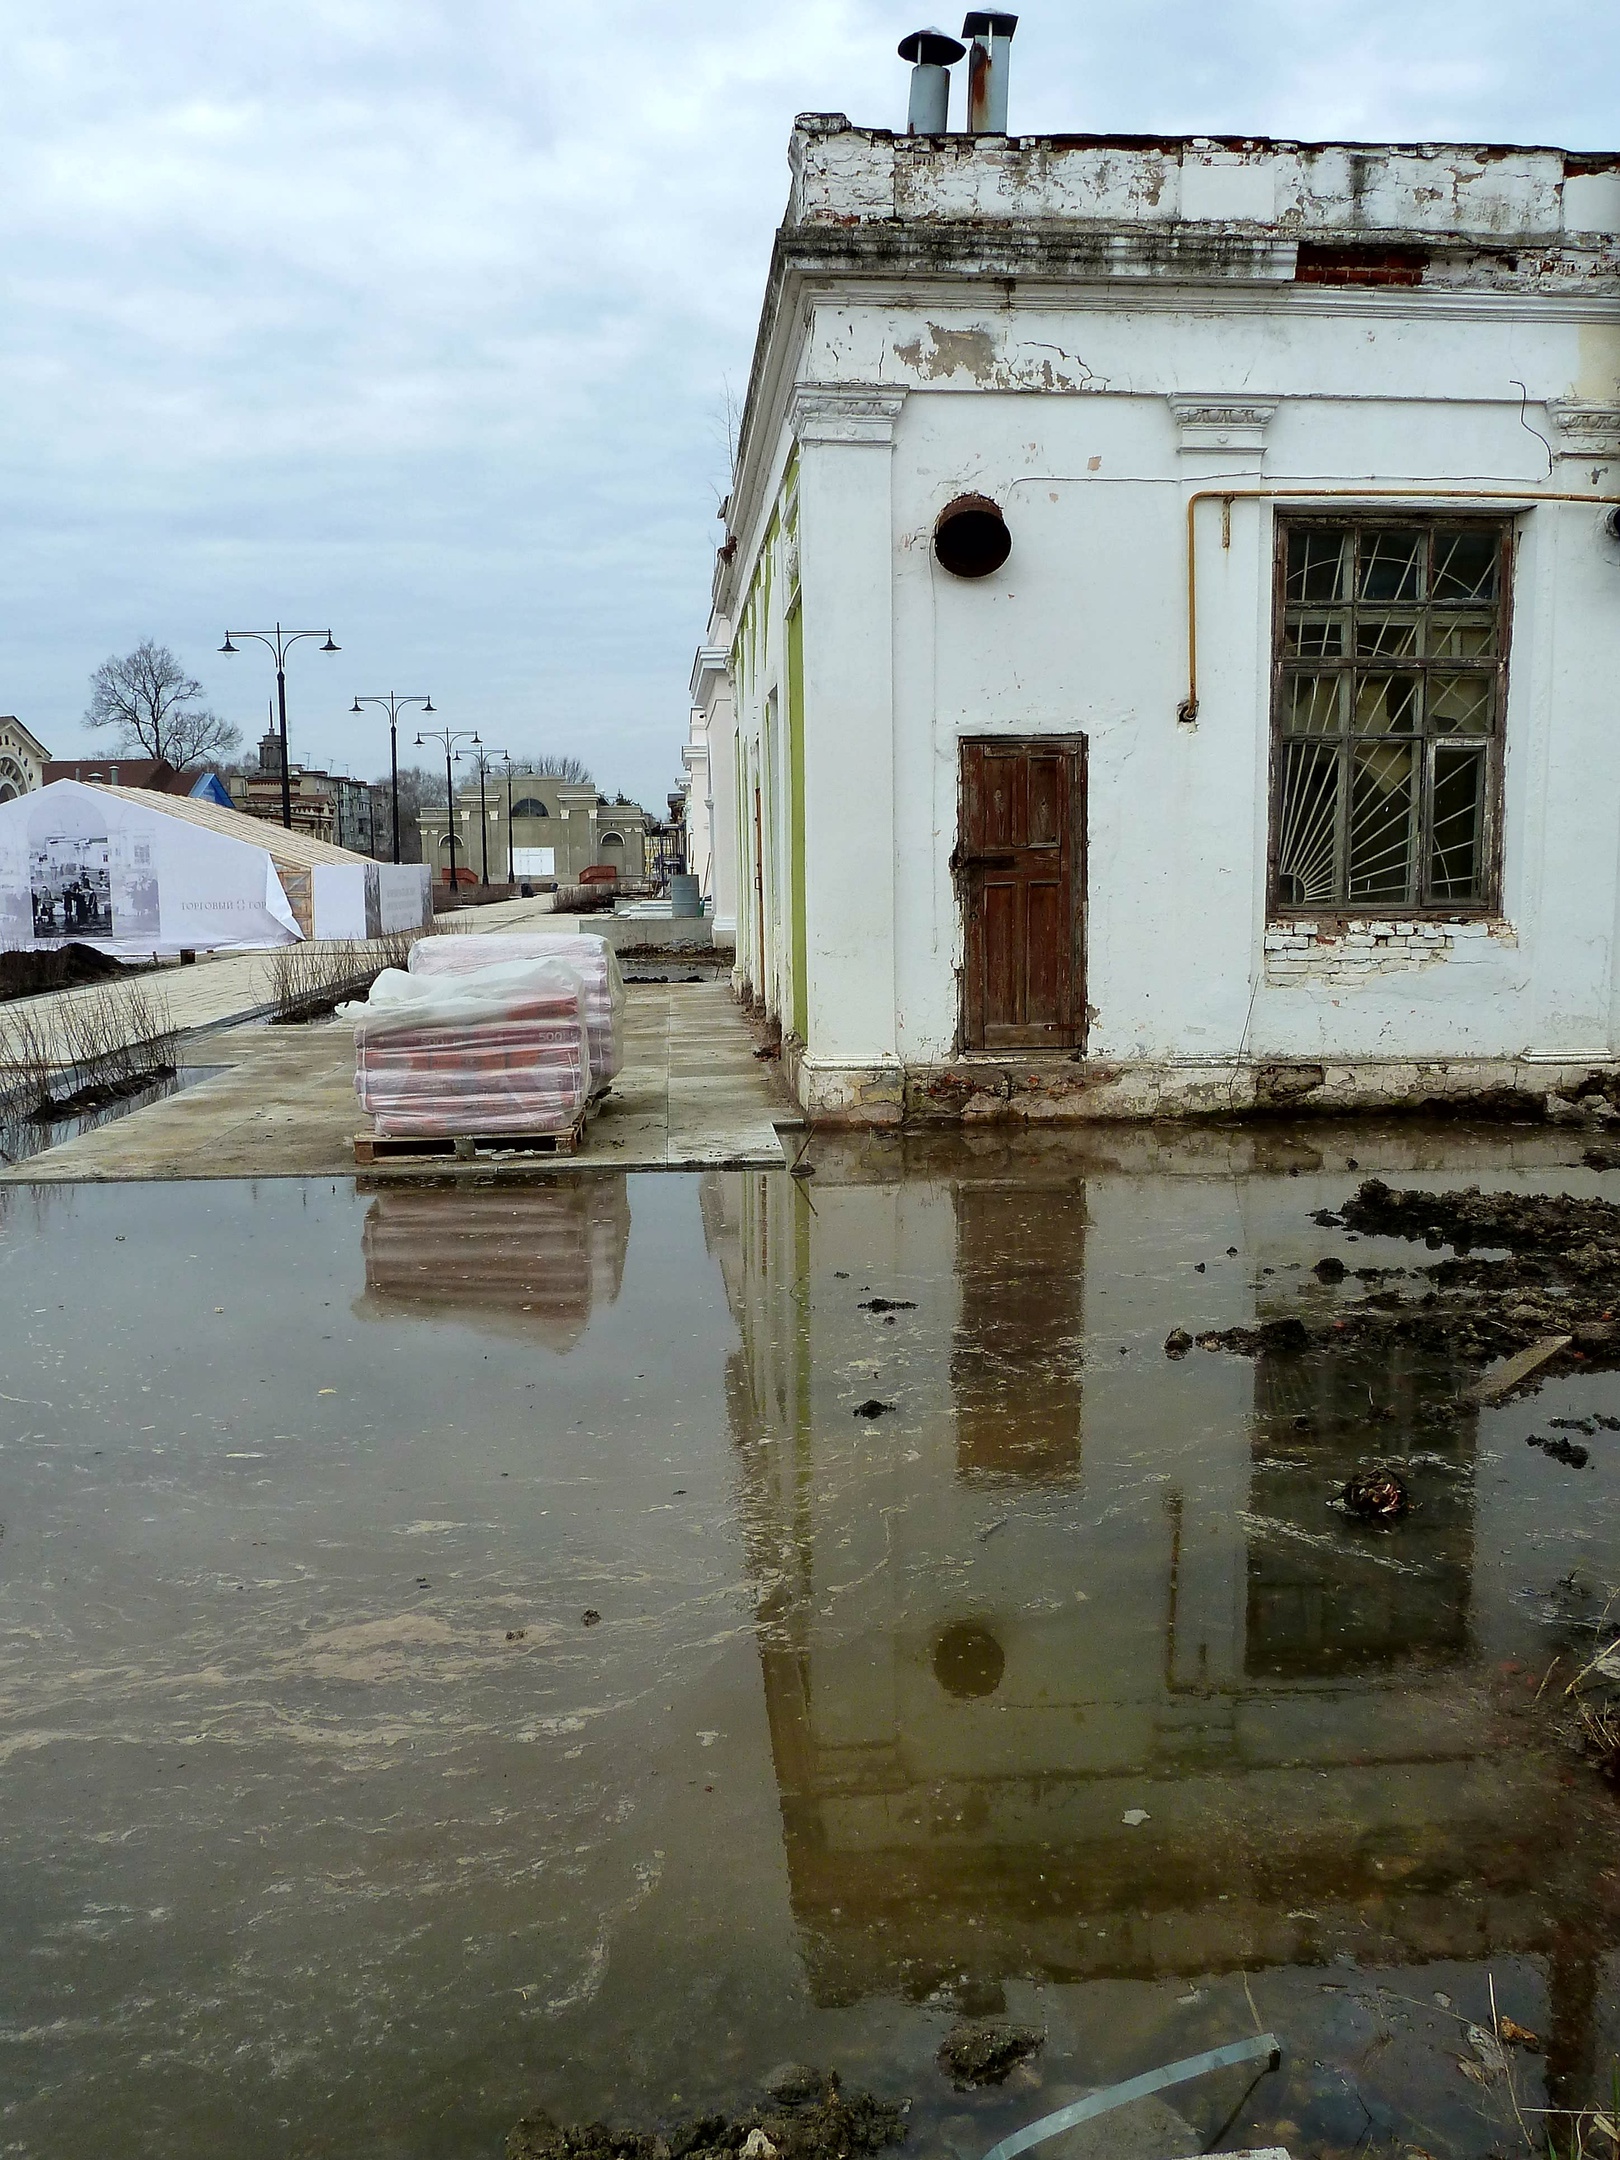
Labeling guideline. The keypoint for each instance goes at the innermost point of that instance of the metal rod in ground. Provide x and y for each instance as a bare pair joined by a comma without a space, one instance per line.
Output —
1137,2088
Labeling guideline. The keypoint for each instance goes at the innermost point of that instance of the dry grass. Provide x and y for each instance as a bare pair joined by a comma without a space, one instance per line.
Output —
84,1050
307,981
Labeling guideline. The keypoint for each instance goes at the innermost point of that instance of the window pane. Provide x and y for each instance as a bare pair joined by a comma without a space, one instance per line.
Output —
1386,637
1391,566
1465,565
1316,566
1460,704
1315,637
1386,704
1457,831
1462,637
1313,704
1383,798
1307,825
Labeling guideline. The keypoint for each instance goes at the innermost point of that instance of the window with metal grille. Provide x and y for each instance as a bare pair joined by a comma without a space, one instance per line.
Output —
1390,681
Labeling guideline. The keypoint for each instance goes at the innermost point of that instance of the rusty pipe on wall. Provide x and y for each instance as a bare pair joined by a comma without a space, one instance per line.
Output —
1523,498
989,61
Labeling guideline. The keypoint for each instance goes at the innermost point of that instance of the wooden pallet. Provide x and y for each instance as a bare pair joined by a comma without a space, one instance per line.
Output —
377,1147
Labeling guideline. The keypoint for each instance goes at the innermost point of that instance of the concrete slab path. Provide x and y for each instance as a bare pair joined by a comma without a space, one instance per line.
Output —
691,1096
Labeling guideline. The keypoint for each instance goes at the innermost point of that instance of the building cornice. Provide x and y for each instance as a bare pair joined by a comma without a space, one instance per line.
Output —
1056,266
710,669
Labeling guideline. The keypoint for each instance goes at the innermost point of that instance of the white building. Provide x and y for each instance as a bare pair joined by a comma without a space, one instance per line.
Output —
710,760
1171,625
23,758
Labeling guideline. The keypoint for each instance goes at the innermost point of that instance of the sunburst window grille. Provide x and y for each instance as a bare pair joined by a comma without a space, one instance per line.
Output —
1390,685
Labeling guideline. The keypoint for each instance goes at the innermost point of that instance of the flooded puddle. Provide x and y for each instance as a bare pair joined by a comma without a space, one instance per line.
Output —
21,1138
462,1654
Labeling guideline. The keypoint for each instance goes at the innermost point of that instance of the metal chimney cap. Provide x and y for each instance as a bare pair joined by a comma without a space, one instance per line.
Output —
931,48
980,24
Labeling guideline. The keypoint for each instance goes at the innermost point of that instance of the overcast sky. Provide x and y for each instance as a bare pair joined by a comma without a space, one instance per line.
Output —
416,315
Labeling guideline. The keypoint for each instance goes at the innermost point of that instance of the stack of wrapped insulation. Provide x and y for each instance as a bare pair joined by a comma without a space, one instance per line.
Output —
594,959
504,1050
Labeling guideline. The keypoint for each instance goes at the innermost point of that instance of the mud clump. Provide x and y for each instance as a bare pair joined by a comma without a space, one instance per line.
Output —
985,2054
1519,1222
1525,1269
805,2117
1561,1450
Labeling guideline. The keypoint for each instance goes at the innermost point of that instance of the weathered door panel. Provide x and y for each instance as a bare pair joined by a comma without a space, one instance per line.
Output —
1020,865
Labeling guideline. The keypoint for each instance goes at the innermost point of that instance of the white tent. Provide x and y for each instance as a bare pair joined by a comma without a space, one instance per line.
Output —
134,873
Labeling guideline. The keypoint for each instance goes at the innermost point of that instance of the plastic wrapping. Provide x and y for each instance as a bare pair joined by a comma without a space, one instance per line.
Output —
502,1050
469,953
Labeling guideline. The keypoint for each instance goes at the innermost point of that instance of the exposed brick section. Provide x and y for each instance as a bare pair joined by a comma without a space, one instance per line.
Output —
1318,264
1357,951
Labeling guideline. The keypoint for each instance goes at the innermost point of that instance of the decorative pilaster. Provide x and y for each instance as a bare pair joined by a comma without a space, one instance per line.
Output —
845,544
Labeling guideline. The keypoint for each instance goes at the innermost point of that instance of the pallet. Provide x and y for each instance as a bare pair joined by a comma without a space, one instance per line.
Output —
378,1147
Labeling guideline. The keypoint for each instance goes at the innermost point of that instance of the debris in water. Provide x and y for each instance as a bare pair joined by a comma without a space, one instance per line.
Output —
590,1617
1519,1367
1329,1269
1177,1343
1134,1817
1377,1495
888,1304
1270,1336
817,2122
1518,2035
1561,1450
872,1407
984,2054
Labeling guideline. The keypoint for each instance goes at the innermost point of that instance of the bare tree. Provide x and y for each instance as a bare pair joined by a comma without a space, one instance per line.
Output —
419,789
557,768
154,704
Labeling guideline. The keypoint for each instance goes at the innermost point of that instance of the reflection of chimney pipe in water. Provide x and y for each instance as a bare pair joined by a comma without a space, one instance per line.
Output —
989,61
934,54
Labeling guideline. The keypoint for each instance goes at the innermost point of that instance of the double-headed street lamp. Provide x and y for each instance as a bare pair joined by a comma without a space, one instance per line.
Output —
452,756
281,642
394,705
485,765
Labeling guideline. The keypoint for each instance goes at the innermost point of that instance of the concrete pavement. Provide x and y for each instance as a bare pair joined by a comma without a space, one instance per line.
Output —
691,1095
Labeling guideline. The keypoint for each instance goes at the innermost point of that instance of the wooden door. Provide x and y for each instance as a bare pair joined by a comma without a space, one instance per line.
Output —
1020,867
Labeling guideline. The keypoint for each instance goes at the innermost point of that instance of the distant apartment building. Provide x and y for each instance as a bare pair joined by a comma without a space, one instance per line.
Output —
556,829
328,806
23,758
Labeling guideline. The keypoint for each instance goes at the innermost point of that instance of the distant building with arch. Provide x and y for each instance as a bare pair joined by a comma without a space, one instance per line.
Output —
557,829
22,759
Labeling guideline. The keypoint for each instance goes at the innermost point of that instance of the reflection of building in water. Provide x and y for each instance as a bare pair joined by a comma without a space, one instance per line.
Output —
973,1685
1019,1269
1311,1612
528,1259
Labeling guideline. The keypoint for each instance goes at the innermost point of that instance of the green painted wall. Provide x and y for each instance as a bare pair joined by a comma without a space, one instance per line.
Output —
795,723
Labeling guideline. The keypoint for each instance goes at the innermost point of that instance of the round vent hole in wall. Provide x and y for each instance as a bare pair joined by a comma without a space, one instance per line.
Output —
971,538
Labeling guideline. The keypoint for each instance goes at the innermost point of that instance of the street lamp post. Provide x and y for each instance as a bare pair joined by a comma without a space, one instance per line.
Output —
509,768
485,764
394,704
450,737
281,642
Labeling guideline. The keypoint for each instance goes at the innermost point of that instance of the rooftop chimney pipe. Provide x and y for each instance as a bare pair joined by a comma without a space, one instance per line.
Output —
934,54
988,65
